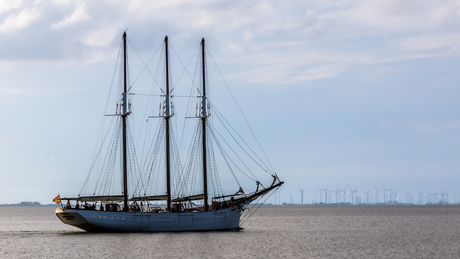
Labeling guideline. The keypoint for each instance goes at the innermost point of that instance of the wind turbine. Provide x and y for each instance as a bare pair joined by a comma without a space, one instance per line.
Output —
278,197
301,197
325,194
367,196
356,196
377,194
384,193
435,197
291,200
337,194
353,195
395,196
420,198
344,193
446,201
409,197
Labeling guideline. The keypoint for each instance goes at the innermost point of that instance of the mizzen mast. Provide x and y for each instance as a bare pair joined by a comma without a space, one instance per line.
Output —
204,116
124,115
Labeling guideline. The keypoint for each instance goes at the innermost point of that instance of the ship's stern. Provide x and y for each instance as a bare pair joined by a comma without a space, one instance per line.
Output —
70,217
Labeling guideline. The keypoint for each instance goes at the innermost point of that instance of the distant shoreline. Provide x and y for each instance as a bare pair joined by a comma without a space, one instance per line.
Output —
27,204
38,204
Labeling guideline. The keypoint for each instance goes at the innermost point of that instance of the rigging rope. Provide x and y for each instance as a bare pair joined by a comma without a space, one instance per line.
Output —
145,65
228,88
248,215
226,159
95,156
265,167
255,178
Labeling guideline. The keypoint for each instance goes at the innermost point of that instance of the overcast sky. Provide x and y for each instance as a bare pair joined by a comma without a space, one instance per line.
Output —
357,93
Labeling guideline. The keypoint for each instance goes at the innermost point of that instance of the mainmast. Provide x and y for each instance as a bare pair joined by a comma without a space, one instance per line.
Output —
203,128
167,116
123,116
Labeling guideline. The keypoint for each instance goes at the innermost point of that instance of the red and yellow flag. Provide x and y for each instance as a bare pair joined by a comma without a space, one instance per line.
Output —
57,199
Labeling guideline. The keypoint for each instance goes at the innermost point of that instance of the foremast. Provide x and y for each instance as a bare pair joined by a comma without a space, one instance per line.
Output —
204,116
167,116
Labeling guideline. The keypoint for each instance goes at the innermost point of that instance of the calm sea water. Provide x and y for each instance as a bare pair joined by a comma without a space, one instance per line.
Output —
272,232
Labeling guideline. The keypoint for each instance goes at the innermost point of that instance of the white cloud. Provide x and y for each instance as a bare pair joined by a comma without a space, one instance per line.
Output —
378,24
6,5
433,127
19,21
321,72
403,15
437,127
12,91
450,41
100,38
78,15
283,40
232,47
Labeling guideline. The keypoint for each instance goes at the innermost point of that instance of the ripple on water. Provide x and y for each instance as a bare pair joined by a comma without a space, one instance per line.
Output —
273,231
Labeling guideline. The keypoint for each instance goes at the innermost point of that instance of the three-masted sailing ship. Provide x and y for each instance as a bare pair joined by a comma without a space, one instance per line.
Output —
134,210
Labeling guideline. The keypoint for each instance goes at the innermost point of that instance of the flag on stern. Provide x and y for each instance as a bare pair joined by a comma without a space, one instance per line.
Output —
57,199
